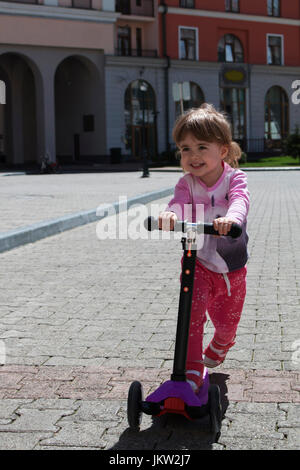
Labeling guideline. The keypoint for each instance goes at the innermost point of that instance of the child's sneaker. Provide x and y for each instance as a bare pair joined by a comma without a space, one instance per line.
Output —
215,353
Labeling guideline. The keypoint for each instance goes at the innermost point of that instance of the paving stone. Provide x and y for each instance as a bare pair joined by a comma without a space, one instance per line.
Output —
35,420
83,434
21,440
74,348
100,410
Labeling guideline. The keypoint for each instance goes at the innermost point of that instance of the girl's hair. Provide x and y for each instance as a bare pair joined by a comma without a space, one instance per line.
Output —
210,125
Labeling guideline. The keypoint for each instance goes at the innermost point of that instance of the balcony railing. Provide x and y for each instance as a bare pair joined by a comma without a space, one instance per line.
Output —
82,4
132,7
32,2
136,52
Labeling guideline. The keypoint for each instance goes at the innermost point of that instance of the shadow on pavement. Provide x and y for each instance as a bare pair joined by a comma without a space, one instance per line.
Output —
174,432
220,379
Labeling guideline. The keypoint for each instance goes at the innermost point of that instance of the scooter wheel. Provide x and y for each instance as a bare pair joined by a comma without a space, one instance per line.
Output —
134,410
215,408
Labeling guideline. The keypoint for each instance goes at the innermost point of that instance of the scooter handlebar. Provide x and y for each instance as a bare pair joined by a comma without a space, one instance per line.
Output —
182,226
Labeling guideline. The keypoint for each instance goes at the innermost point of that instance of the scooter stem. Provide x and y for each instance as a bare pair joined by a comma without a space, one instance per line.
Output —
184,310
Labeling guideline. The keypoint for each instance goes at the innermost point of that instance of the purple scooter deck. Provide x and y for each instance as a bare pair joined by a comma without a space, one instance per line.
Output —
182,390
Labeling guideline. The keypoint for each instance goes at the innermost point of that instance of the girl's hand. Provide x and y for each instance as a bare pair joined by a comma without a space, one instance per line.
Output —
166,220
223,225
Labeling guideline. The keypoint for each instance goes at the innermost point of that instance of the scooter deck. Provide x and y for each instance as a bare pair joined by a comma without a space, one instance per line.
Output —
178,397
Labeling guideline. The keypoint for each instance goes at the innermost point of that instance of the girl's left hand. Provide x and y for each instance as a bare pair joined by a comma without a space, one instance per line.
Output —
223,225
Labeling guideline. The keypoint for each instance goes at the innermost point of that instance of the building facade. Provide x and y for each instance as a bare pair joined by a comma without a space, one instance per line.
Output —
80,77
52,75
241,56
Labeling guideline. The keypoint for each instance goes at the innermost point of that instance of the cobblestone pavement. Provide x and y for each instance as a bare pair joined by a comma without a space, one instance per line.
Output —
81,318
27,199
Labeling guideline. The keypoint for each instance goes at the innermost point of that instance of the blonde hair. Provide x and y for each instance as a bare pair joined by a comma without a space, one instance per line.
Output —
210,125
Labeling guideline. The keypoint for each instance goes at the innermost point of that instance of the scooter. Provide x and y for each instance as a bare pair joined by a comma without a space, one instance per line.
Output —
176,395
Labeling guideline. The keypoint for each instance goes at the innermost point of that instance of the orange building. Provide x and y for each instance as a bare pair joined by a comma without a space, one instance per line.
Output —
241,56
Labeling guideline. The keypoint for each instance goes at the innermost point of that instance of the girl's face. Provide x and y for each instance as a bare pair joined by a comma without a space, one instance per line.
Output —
202,159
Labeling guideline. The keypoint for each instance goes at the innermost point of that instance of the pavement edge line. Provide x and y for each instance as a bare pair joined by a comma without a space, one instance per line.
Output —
40,230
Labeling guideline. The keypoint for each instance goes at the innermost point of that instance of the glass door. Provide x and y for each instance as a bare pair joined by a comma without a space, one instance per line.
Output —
233,102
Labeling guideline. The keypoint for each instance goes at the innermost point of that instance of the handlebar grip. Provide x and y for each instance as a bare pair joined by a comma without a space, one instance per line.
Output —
152,224
234,232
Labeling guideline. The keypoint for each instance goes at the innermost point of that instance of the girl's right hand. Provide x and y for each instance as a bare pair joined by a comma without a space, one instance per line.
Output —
166,220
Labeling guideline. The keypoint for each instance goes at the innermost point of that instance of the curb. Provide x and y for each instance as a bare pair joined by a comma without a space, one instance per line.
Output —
271,168
35,232
263,168
162,169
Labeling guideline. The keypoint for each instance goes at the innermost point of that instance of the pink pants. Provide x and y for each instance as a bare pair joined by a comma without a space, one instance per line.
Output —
223,299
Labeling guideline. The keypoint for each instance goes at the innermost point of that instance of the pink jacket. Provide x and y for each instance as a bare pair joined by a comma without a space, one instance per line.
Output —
228,197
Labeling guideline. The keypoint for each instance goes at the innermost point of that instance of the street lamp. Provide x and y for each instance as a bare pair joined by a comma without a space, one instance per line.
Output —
143,88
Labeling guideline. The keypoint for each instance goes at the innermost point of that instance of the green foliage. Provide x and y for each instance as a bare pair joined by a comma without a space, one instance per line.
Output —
243,158
292,144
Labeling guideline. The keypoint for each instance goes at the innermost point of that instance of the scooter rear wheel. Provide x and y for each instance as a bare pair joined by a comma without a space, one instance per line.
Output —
134,409
215,408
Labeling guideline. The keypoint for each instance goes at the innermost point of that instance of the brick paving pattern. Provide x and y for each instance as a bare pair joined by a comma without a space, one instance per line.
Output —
81,318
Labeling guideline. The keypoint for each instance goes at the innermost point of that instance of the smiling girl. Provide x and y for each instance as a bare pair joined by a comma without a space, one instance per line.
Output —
209,159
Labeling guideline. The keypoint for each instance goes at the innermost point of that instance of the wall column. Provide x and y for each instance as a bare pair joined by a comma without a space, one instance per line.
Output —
17,112
45,103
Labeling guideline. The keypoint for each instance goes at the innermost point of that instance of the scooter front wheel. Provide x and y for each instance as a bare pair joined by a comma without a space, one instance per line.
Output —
134,409
215,408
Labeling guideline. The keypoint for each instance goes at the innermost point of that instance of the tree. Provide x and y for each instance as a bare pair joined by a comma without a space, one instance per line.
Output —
292,144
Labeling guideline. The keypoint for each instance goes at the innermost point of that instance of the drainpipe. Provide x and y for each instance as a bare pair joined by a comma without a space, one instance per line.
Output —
164,10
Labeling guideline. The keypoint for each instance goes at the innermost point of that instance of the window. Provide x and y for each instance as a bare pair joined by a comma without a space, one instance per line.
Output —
138,3
187,3
140,119
123,6
274,7
195,101
82,4
25,1
276,114
275,49
124,40
2,118
2,92
139,42
232,5
88,123
188,43
233,103
230,49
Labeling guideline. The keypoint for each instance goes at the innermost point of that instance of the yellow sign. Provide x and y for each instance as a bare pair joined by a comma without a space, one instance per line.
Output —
234,75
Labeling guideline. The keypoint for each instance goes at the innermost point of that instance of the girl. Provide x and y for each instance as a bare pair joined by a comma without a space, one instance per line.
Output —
209,159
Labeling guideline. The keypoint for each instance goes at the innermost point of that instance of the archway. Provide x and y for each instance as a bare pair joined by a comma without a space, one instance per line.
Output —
140,119
79,111
18,143
196,98
276,114
2,121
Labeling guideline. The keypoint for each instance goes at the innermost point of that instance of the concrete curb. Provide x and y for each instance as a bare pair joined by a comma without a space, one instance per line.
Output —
275,168
272,168
40,230
171,169
32,233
